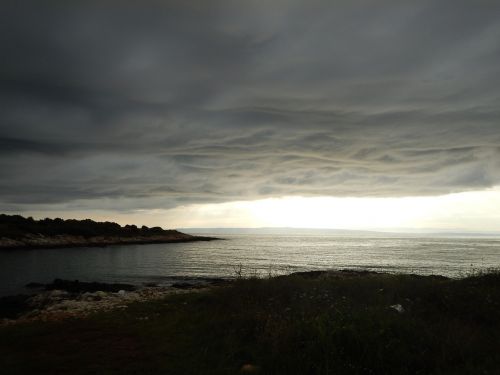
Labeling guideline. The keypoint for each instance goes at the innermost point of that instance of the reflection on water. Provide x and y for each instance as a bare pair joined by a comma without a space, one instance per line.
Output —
257,254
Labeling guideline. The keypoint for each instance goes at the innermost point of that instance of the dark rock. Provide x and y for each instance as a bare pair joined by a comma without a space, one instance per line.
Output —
82,287
219,282
185,285
13,306
310,274
35,285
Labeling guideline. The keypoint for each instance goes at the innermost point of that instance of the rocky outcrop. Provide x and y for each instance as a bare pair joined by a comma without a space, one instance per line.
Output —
63,299
57,304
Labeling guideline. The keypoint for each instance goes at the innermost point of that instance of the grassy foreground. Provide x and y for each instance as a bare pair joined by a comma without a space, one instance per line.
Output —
315,323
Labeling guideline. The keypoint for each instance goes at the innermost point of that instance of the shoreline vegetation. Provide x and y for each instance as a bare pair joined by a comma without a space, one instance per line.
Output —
321,322
17,232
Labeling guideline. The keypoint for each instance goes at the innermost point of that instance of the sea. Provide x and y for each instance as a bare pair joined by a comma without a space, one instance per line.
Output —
247,255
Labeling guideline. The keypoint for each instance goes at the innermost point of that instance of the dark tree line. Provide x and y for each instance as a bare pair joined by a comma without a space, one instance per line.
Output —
16,226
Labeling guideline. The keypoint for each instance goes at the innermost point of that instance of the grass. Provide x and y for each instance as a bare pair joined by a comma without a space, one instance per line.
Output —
317,323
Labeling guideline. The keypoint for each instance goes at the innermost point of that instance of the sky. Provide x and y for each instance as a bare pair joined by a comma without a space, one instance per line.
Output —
332,114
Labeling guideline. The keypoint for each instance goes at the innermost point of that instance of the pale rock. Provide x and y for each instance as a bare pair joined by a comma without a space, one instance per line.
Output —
398,307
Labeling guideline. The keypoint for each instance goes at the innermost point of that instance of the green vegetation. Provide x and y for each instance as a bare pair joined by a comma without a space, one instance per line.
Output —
312,323
16,226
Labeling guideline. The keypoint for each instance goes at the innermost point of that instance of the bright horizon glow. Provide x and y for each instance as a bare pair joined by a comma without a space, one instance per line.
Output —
468,211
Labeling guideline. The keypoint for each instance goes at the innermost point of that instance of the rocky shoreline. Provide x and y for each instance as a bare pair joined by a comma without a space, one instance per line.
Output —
39,241
64,299
18,232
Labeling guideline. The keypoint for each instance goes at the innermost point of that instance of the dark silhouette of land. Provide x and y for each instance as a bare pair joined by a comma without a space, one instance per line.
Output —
19,232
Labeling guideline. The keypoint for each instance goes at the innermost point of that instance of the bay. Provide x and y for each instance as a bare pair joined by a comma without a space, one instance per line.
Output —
250,255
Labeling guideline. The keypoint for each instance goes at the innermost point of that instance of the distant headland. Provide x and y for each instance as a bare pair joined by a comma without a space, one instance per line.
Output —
18,232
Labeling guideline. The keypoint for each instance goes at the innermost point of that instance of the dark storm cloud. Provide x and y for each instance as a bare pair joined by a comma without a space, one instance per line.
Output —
159,103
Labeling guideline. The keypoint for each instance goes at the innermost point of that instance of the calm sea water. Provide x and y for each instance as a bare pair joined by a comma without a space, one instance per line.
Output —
257,254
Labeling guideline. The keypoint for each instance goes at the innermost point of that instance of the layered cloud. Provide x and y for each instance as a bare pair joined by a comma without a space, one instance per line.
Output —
161,103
